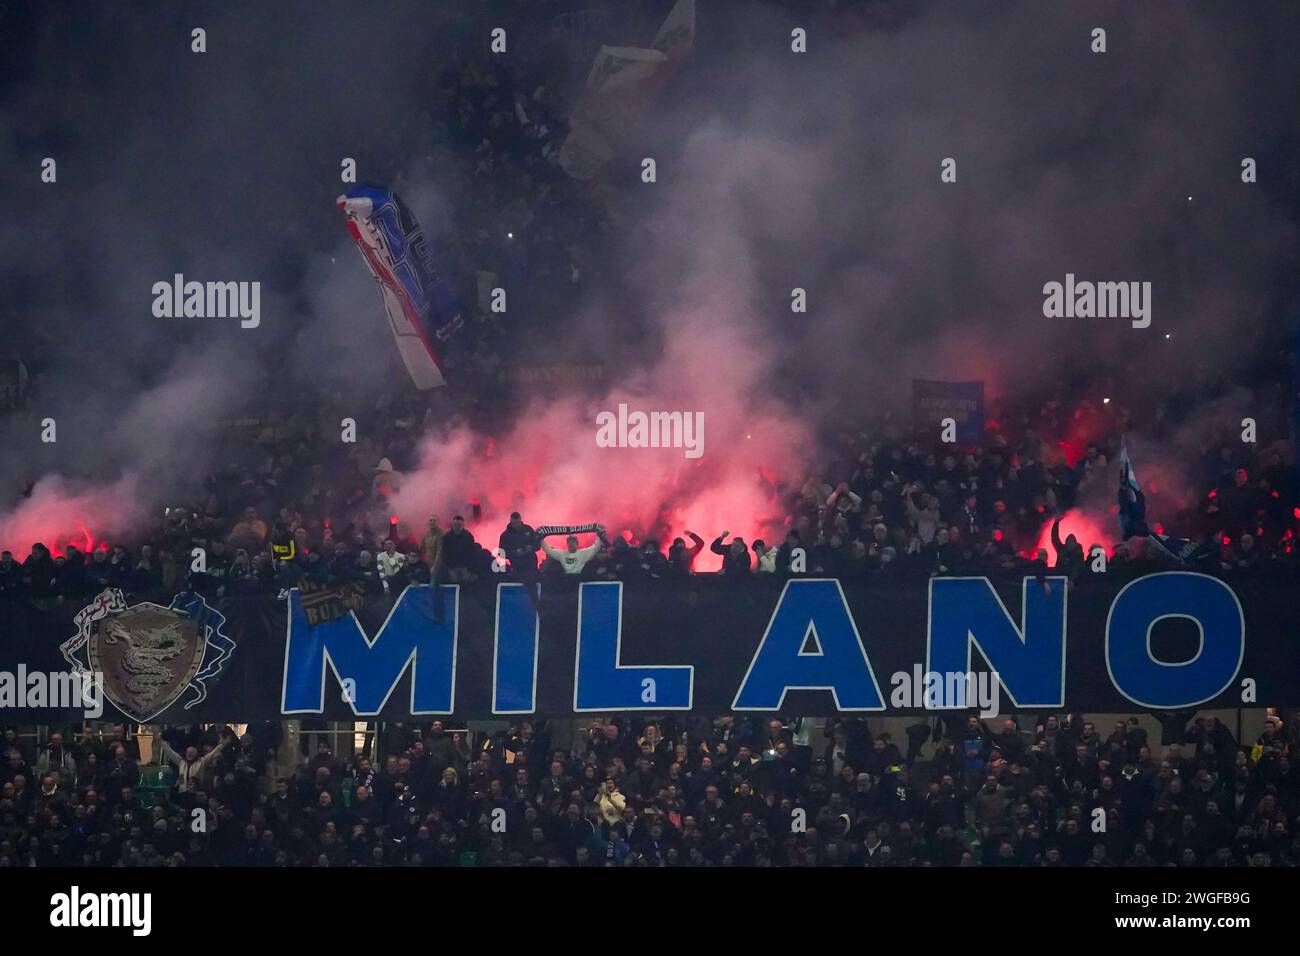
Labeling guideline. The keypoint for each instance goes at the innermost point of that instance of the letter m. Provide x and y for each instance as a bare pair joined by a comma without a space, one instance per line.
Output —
367,671
223,300
115,909
1115,297
1029,660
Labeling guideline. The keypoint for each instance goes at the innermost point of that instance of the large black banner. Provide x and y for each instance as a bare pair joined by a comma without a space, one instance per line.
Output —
1164,641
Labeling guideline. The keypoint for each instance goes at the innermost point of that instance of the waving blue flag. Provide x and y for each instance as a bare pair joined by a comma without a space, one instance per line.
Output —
1133,519
1132,503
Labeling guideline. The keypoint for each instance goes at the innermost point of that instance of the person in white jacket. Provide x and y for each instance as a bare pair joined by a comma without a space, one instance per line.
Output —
390,562
191,768
766,557
573,559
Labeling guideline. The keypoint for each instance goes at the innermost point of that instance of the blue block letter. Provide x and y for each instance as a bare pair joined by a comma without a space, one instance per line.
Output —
810,607
600,682
366,670
1204,600
1030,664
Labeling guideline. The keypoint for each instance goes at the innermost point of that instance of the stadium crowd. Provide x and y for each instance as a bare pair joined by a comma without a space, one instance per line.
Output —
696,792
290,503
891,507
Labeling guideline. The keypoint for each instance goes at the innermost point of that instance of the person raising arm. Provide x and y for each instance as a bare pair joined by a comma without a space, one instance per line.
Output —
573,559
191,768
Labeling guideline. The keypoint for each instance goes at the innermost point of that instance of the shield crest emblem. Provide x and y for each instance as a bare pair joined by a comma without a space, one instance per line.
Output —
149,655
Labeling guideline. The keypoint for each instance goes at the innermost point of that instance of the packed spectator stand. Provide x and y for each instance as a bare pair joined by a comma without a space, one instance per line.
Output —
679,792
698,792
290,507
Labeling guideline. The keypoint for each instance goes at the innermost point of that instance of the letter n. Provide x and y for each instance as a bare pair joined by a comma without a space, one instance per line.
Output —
1029,659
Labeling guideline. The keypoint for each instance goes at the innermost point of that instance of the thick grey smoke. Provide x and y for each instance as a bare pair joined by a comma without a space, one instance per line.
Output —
828,168
819,171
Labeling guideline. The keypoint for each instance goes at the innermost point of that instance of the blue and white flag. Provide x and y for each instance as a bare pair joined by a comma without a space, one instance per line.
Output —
1182,550
1132,503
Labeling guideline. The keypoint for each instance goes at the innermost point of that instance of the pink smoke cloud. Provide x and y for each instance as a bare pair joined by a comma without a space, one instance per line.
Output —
57,515
549,467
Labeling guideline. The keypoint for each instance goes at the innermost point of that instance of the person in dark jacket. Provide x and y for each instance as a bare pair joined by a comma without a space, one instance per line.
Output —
73,578
520,544
121,569
460,552
783,553
1070,559
39,571
653,562
283,546
682,558
735,557
11,574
